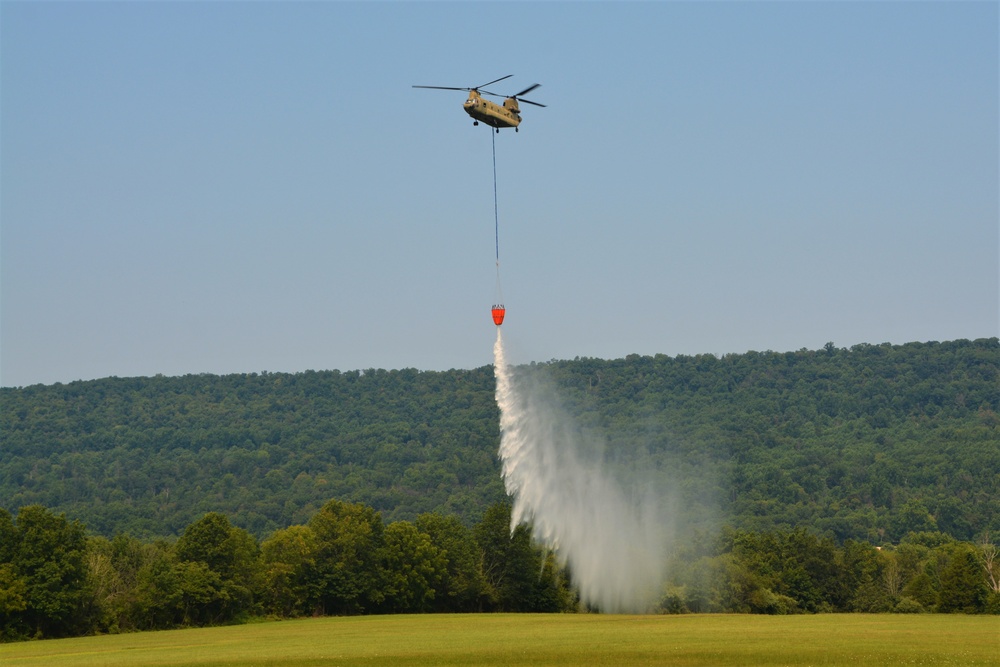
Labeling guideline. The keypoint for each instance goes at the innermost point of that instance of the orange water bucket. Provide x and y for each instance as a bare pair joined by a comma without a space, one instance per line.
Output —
498,313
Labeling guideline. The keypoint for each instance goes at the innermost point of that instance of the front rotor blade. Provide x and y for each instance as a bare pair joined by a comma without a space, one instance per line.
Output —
492,82
442,88
530,102
526,90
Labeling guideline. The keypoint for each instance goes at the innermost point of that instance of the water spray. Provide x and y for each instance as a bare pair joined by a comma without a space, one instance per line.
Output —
614,545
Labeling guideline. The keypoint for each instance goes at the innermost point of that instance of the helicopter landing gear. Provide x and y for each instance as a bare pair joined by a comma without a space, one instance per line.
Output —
475,122
498,130
515,129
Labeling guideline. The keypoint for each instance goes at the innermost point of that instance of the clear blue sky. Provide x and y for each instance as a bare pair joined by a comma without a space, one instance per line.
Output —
237,187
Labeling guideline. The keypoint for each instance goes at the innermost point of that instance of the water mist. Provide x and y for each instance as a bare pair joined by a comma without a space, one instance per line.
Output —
613,542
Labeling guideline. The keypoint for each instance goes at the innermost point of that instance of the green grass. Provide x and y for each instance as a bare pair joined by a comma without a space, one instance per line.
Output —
549,639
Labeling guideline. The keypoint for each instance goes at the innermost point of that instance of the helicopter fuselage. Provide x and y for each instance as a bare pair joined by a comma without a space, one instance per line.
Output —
495,115
491,113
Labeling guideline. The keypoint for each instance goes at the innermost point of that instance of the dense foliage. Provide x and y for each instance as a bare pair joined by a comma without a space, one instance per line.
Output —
56,582
149,455
868,443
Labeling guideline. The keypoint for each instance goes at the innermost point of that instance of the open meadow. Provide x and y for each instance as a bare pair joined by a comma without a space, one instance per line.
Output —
543,639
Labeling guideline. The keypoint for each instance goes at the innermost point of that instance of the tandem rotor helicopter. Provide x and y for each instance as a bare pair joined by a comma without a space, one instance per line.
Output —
491,113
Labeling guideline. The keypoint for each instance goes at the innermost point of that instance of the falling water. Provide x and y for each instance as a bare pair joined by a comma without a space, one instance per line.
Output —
614,543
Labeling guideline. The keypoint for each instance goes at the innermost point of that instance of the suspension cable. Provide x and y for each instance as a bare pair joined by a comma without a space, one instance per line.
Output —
496,221
496,215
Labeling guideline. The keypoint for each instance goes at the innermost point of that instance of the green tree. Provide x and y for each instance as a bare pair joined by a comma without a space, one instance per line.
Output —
229,552
922,589
13,587
963,588
290,577
106,584
349,539
462,583
170,593
738,589
114,567
13,601
413,569
862,586
795,564
47,574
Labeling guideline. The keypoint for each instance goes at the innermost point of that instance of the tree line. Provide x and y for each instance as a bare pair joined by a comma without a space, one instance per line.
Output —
869,443
57,581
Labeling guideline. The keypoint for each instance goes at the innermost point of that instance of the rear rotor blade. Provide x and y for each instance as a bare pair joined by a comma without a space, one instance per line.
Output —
526,90
530,102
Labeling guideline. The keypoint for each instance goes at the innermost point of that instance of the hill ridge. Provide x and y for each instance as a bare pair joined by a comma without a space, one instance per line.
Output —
864,442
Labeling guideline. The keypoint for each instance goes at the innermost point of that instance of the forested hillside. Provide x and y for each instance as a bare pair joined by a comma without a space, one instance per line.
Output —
149,455
871,442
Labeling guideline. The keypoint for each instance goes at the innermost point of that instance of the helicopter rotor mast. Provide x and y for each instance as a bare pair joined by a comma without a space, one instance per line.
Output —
517,96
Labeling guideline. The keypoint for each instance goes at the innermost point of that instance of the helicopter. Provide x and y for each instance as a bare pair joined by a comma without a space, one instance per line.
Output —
491,113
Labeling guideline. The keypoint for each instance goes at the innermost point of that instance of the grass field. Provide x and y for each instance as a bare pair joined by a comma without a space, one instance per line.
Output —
549,639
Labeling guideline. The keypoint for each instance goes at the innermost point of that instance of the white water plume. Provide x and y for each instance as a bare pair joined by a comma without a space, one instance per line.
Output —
613,543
